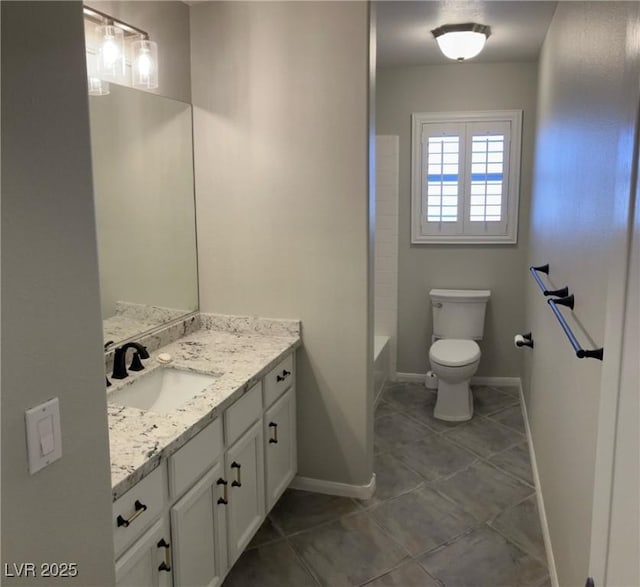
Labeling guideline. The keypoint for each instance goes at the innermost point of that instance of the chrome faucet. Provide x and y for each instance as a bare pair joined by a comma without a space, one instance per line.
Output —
119,359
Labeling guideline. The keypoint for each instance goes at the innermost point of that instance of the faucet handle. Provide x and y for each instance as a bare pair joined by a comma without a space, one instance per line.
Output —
136,363
142,351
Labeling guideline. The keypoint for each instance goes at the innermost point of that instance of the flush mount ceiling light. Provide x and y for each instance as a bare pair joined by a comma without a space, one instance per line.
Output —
118,44
461,41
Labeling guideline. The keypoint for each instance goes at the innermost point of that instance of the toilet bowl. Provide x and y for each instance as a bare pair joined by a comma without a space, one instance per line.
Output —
454,361
458,322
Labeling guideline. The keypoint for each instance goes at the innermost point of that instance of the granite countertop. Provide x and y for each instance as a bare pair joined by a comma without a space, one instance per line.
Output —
239,352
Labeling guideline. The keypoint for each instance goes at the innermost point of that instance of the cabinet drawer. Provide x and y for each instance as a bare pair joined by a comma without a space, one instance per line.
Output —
189,463
134,512
243,413
278,380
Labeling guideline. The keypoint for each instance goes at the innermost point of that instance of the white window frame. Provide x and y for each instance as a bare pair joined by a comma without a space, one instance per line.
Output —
463,231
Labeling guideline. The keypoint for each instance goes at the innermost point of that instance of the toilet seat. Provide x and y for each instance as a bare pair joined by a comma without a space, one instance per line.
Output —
454,352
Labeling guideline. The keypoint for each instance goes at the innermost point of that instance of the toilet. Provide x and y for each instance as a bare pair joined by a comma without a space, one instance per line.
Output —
458,322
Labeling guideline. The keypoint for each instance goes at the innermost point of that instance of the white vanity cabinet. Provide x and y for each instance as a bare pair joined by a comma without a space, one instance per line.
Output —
280,446
148,561
199,533
215,490
279,424
244,468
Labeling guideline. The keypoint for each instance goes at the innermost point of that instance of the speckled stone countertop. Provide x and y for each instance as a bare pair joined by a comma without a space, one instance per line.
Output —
239,350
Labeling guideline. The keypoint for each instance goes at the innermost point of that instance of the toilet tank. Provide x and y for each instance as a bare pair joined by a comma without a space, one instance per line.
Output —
459,313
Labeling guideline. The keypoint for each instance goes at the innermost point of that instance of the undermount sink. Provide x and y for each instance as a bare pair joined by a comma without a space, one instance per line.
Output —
161,391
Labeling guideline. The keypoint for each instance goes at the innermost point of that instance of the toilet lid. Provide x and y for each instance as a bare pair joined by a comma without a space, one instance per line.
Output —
453,352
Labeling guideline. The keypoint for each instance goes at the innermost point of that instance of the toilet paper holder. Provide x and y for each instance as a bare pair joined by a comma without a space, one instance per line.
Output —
524,340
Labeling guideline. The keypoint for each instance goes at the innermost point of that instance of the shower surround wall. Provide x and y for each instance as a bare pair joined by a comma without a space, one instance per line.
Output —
385,282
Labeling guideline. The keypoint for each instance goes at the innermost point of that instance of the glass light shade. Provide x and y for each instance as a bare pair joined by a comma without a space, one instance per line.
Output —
110,63
144,64
96,86
461,45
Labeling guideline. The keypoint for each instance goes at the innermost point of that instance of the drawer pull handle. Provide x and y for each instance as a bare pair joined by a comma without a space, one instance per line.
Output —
165,565
139,507
274,440
238,481
222,500
284,375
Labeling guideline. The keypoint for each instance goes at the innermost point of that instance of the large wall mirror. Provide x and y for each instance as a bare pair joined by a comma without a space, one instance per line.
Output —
142,151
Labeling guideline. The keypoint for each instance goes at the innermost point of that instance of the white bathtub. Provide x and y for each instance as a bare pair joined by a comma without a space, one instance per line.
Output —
381,364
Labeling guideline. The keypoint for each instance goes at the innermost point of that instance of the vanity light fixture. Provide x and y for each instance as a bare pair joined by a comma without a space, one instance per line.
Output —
461,41
97,86
114,39
144,64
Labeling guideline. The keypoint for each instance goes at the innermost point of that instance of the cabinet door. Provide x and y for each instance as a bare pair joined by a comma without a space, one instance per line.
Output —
147,563
244,469
280,446
198,530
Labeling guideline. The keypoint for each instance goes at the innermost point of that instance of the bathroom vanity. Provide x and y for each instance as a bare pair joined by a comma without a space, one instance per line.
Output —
192,485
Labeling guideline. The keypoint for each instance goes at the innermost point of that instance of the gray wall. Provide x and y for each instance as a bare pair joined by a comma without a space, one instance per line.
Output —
500,268
587,104
167,23
281,138
51,327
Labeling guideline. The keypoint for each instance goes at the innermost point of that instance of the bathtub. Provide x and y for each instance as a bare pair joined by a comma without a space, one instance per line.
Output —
381,364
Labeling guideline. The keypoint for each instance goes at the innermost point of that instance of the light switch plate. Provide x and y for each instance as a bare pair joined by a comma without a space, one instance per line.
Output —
44,441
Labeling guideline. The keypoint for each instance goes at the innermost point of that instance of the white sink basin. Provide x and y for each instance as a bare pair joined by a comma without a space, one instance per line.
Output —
161,391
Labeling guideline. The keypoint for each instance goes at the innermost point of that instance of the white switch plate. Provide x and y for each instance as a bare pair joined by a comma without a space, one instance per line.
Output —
44,442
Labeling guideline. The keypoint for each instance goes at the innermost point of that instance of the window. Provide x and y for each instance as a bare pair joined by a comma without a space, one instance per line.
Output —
466,177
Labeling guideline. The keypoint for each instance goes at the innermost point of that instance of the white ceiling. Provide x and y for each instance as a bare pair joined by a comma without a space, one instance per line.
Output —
404,29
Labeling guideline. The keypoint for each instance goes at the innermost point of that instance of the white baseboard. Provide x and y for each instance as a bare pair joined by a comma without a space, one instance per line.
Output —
551,562
410,377
496,381
335,488
493,381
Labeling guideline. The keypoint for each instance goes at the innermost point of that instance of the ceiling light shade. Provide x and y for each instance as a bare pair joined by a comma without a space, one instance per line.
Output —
144,64
111,65
461,41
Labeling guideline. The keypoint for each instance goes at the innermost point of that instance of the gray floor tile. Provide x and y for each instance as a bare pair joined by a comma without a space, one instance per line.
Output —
521,524
483,491
349,551
483,558
511,390
484,437
487,400
422,410
422,519
410,574
266,533
511,417
434,457
299,510
409,396
384,409
395,429
515,461
392,478
271,565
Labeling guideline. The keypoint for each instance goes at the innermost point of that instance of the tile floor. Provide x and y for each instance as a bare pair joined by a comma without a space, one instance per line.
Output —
455,506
